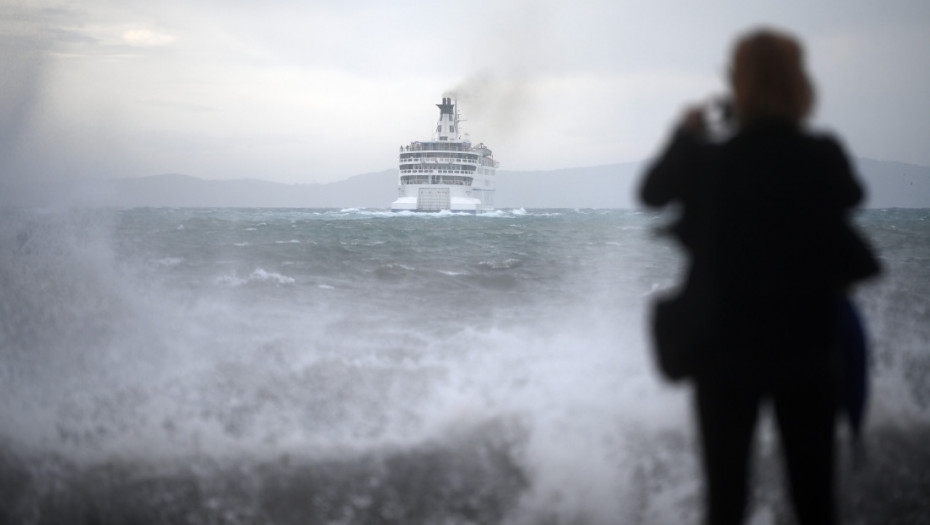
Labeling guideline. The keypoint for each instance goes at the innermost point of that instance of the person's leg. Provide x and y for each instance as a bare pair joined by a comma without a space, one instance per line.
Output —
726,418
806,420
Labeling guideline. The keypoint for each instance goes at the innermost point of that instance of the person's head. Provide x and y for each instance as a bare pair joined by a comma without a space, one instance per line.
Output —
768,78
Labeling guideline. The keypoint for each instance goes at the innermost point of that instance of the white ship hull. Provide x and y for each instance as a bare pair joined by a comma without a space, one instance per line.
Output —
446,173
466,204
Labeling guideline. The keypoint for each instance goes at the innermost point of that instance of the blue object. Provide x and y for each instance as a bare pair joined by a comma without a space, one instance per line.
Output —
850,347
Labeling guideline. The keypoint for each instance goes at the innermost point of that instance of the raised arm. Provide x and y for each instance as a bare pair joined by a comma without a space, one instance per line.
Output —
668,178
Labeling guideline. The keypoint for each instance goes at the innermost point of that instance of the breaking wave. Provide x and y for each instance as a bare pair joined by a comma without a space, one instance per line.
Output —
387,369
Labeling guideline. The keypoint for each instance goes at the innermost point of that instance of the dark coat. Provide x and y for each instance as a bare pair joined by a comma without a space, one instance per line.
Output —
765,222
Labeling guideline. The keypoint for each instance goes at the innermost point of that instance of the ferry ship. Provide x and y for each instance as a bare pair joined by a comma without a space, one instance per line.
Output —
446,173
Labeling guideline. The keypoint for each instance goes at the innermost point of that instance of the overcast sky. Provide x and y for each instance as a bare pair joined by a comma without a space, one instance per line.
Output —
317,91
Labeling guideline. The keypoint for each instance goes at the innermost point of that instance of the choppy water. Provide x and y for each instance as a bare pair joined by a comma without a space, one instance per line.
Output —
325,366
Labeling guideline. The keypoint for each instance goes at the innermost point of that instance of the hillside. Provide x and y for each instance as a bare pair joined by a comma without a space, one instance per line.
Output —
889,184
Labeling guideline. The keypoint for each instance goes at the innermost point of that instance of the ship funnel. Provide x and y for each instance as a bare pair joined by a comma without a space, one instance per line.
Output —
446,107
447,128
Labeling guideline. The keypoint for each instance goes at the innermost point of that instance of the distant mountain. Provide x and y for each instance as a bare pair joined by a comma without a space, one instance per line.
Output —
890,184
611,186
370,190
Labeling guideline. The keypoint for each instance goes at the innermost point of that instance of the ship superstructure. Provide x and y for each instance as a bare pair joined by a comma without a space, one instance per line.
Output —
447,172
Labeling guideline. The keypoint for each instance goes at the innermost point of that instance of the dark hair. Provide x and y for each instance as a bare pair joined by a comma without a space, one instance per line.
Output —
768,78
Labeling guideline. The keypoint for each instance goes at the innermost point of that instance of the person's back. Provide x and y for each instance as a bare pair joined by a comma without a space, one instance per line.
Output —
782,197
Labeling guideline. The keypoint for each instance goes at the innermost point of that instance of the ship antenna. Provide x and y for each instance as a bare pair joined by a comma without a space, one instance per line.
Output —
455,106
458,118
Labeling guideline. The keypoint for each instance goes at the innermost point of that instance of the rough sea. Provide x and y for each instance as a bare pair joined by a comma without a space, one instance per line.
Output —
296,366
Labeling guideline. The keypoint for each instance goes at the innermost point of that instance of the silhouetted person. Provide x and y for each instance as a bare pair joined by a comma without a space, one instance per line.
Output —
765,224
